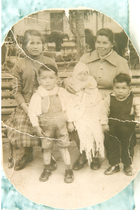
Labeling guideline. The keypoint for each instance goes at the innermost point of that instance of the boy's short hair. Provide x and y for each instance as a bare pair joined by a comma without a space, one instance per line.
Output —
47,67
122,78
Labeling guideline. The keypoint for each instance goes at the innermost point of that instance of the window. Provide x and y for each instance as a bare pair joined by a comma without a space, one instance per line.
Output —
56,21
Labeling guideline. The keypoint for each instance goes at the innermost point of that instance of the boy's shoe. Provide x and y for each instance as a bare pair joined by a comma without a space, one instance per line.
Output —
45,175
112,170
95,164
128,170
69,176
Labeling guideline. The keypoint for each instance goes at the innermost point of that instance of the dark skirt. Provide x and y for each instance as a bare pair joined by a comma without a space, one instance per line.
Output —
20,131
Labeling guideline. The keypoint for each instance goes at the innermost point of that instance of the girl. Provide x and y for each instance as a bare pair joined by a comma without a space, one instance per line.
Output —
24,84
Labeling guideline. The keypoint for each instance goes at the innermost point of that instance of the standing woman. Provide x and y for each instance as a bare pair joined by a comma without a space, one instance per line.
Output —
25,83
104,64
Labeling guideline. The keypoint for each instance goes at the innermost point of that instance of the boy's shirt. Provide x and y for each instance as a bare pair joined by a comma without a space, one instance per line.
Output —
35,108
105,110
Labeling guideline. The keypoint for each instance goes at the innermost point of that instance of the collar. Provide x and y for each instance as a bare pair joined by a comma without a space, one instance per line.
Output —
111,57
113,94
36,58
106,56
43,92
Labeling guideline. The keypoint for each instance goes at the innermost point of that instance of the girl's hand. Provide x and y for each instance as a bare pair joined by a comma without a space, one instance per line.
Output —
105,127
71,127
39,131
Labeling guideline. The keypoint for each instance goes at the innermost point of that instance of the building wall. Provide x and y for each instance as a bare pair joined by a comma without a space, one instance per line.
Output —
96,21
40,21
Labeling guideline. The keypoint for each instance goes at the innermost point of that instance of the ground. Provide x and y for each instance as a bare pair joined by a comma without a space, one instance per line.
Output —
89,187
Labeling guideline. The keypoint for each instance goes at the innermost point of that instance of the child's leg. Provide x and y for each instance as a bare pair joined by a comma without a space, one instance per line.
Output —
126,142
127,148
69,177
47,156
49,132
47,165
66,157
112,146
62,137
132,144
47,147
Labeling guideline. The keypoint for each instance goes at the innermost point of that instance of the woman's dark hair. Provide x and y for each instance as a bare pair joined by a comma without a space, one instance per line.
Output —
120,78
90,39
27,34
47,67
109,34
106,32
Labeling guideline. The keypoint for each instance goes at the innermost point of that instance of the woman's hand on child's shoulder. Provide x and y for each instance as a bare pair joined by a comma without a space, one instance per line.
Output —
105,127
69,85
71,127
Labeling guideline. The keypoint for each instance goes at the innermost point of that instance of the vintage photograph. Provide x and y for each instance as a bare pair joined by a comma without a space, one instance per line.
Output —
70,108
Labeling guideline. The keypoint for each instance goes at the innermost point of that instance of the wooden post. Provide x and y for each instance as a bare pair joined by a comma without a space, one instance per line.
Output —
80,28
80,31
102,20
96,22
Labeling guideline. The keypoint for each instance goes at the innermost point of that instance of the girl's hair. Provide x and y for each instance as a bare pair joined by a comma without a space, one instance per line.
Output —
120,78
109,34
27,34
48,67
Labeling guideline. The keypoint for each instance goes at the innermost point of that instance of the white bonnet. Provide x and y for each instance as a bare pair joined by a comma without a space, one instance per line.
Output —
79,68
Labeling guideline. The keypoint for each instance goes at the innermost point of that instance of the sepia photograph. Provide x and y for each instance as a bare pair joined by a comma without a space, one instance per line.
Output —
70,108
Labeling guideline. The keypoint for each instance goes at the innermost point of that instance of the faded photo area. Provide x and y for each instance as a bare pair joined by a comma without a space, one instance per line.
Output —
70,108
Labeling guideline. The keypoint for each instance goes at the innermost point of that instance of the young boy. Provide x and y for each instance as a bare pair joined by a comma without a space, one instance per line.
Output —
49,111
118,123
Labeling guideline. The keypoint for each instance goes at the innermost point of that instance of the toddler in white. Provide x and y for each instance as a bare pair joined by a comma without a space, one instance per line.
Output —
87,103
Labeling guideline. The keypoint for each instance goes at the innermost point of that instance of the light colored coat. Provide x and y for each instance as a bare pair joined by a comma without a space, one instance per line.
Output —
104,70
